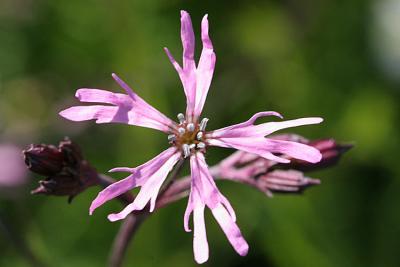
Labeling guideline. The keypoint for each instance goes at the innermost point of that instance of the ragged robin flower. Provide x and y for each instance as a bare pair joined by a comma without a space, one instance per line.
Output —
188,139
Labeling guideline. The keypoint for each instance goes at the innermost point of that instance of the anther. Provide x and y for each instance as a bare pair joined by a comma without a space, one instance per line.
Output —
190,127
201,145
171,138
181,131
192,146
203,124
181,118
199,135
186,150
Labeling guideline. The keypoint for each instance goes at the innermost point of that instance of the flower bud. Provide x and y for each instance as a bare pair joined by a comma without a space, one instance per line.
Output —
331,153
286,181
270,176
68,173
65,184
43,159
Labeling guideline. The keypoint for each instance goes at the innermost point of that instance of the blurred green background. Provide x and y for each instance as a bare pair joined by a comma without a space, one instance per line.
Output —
336,59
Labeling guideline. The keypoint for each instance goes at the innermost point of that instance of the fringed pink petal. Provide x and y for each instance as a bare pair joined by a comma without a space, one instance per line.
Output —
112,191
149,190
264,147
231,131
230,229
174,62
270,127
189,66
102,96
251,138
200,243
209,189
128,109
205,69
294,150
102,114
250,145
187,73
204,192
188,212
248,129
139,176
194,196
188,40
143,108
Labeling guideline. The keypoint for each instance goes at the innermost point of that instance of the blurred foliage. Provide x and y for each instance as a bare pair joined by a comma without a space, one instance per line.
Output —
301,58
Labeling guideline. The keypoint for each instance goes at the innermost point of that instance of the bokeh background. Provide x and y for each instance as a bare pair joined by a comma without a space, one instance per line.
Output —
336,59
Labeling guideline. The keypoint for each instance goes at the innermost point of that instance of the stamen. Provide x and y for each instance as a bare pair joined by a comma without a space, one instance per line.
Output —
171,138
201,145
186,150
199,136
181,131
192,146
181,118
203,124
190,127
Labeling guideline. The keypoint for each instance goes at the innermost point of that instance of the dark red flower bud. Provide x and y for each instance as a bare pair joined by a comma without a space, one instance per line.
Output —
331,153
43,159
65,184
68,173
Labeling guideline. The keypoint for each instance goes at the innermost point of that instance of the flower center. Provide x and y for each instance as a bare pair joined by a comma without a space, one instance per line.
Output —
189,136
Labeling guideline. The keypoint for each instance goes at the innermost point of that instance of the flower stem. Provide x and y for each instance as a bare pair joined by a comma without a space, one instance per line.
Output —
125,234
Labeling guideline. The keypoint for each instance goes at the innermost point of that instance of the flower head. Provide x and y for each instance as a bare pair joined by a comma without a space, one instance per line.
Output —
188,139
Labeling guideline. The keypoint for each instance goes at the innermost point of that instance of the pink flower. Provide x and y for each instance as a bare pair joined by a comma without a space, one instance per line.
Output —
188,139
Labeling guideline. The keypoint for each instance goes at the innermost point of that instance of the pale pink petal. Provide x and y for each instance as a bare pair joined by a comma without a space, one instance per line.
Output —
196,205
143,107
270,127
112,191
128,109
102,96
200,244
230,229
228,131
250,145
188,212
209,188
188,40
248,129
205,69
264,147
295,150
174,62
204,192
149,191
189,66
140,175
